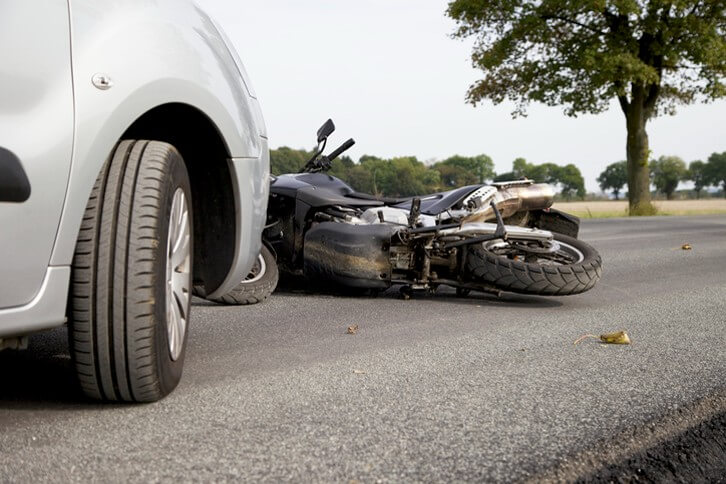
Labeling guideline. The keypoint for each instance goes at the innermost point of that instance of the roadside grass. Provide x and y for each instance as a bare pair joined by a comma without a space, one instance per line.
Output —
614,209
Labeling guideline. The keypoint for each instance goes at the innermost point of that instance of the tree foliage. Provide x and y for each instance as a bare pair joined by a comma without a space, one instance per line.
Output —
287,160
568,177
614,178
716,170
407,176
462,170
648,54
667,173
583,54
572,184
697,174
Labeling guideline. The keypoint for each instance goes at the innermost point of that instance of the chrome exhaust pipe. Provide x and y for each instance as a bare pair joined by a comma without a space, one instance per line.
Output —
511,199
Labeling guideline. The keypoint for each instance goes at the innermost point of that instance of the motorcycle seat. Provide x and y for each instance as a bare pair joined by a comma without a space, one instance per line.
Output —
386,200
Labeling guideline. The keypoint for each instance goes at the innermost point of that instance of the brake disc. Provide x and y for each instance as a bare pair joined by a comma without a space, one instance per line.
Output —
535,247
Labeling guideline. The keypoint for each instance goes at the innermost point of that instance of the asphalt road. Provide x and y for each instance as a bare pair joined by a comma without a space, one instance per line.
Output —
435,388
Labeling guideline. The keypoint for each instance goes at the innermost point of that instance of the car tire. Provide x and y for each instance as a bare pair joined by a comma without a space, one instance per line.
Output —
131,278
258,286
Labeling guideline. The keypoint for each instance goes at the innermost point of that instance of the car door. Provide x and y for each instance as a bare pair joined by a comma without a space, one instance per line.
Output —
36,140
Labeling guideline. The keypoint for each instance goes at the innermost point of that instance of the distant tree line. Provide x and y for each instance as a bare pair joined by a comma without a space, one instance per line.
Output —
407,176
667,172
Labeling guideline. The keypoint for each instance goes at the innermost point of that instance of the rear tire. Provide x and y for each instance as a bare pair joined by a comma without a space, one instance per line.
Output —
258,286
132,276
533,278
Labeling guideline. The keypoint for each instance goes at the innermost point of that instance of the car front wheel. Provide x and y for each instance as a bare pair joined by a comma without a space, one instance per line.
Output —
131,283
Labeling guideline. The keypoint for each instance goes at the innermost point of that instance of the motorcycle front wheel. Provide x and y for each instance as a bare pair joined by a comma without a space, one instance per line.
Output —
567,266
259,284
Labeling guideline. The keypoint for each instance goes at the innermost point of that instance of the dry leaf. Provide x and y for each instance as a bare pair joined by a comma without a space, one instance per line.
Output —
686,247
617,338
353,329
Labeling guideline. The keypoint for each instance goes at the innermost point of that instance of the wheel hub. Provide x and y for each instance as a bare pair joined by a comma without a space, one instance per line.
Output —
178,272
258,270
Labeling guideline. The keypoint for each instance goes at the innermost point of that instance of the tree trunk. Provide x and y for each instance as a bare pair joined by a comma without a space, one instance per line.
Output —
638,152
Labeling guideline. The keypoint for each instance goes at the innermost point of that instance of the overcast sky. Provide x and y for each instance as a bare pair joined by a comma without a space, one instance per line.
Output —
391,77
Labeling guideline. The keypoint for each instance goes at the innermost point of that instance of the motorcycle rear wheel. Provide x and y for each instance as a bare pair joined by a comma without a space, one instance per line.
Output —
573,269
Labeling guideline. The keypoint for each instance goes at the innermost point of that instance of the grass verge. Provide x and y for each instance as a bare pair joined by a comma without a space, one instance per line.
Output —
613,209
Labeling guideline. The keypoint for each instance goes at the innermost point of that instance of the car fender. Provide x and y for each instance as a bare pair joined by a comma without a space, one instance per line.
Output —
146,55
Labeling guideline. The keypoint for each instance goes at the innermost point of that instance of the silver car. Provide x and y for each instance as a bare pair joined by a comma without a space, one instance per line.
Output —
133,166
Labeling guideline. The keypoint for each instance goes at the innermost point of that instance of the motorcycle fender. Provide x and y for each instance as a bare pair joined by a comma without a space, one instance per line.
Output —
350,255
555,221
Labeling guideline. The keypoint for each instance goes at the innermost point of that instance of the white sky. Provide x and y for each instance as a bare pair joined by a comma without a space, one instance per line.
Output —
391,77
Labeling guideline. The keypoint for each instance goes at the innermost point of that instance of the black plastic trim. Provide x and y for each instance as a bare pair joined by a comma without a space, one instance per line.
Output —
555,221
349,255
14,184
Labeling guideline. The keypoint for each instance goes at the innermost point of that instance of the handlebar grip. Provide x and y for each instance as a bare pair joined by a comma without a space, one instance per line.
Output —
343,148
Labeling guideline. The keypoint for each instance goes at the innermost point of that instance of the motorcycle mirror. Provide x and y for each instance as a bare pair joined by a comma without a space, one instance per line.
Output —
326,130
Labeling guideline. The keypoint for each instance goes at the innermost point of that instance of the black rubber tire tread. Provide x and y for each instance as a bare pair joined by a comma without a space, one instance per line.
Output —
247,293
117,326
529,278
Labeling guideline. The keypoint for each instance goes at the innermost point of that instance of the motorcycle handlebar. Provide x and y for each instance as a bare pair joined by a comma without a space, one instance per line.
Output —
343,148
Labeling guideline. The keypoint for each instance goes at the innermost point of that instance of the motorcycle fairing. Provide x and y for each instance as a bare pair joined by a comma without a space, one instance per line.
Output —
349,255
320,190
437,203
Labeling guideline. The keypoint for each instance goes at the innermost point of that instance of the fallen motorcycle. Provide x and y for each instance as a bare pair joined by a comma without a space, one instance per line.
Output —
489,238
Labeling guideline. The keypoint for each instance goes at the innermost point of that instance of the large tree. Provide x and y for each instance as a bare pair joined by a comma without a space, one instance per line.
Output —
614,178
647,54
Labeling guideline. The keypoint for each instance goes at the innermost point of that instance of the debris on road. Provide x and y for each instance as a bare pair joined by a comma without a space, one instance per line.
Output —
686,247
353,329
617,338
359,372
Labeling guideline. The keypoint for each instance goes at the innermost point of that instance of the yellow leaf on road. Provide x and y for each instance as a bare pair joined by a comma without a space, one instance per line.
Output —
617,338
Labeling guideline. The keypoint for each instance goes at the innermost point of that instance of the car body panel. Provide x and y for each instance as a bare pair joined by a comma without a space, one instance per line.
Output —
46,310
151,61
152,53
36,125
